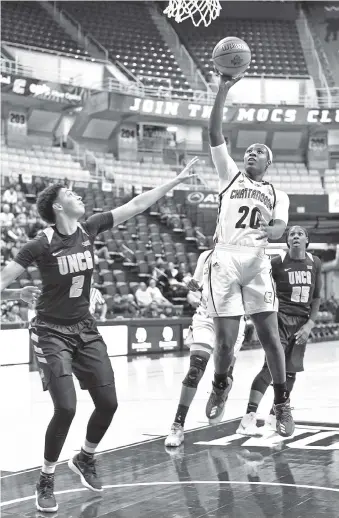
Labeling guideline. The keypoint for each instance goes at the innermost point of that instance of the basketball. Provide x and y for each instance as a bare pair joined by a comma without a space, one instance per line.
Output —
231,56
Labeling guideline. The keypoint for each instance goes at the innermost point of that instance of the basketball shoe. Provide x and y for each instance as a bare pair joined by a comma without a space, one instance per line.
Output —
44,494
85,468
248,425
176,436
215,407
285,423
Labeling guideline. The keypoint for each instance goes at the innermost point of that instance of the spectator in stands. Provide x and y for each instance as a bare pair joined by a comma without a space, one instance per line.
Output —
156,295
332,26
132,309
6,216
143,297
13,314
118,308
177,285
10,196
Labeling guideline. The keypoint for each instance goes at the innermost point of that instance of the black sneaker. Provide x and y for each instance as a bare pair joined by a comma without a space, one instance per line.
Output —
44,494
215,407
87,472
285,423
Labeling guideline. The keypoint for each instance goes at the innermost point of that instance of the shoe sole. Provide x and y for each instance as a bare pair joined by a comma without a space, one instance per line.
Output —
242,431
44,509
84,482
169,445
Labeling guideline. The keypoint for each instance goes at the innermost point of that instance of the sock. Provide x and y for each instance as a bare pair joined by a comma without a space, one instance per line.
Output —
181,414
89,447
84,456
280,393
220,381
251,407
48,468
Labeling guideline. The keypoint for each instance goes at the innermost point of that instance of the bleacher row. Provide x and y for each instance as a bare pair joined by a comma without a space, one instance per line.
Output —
129,33
51,161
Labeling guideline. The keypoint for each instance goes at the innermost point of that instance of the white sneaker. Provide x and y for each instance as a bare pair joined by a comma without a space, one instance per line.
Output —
271,423
248,425
176,436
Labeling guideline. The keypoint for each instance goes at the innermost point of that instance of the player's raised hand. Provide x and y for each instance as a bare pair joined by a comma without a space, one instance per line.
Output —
30,294
187,172
228,81
193,285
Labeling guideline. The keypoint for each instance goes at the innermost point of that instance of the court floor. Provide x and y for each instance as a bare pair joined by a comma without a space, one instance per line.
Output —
217,473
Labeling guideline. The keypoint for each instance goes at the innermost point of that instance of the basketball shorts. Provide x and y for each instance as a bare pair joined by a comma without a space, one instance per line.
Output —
201,335
240,282
79,348
294,354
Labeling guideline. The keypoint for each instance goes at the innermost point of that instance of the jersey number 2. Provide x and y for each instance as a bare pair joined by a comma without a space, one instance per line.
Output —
77,286
300,293
254,218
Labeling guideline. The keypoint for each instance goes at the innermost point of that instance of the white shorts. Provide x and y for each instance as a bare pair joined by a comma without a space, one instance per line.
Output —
240,282
201,335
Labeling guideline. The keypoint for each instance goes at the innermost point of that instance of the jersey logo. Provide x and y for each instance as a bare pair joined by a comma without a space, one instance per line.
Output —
268,297
74,263
309,267
302,277
57,253
86,243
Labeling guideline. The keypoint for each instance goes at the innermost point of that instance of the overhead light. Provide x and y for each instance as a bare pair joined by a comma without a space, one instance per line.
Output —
172,129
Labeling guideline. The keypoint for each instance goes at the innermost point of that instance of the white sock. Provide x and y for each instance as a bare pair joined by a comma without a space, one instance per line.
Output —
89,447
48,467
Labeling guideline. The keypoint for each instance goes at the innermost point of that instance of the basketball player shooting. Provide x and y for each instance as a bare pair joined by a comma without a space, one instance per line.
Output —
64,334
201,339
297,275
250,212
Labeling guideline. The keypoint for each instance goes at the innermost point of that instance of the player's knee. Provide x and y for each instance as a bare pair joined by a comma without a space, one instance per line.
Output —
66,412
107,404
196,371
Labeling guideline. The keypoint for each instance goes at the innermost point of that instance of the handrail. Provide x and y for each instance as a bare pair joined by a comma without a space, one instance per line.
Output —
314,51
202,97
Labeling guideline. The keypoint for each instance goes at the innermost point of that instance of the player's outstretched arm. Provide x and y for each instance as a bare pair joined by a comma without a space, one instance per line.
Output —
8,275
224,164
147,199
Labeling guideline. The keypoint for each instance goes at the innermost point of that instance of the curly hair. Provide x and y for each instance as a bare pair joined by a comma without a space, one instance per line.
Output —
45,202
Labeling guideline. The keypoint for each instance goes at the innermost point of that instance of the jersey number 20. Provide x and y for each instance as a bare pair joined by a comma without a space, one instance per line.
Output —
77,286
254,218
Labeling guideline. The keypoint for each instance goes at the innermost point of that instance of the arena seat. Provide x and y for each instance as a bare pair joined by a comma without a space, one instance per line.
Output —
128,32
27,23
41,161
269,56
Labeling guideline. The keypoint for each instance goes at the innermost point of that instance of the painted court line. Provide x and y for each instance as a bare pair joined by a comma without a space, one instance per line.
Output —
146,441
179,483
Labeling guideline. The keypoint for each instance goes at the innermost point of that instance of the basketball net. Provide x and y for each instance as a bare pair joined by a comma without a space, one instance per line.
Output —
198,10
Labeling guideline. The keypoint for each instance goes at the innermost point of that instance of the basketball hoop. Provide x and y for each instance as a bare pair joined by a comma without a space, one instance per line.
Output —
198,10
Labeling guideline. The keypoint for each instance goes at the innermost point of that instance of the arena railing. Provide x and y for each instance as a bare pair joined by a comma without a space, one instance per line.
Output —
323,97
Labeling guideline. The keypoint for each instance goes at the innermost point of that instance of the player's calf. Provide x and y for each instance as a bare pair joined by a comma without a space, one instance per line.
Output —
198,363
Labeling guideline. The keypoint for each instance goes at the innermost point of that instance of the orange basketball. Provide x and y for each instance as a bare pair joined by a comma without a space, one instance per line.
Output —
231,56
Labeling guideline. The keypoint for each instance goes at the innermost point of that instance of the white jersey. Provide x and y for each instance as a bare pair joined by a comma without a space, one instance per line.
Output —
242,202
200,275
